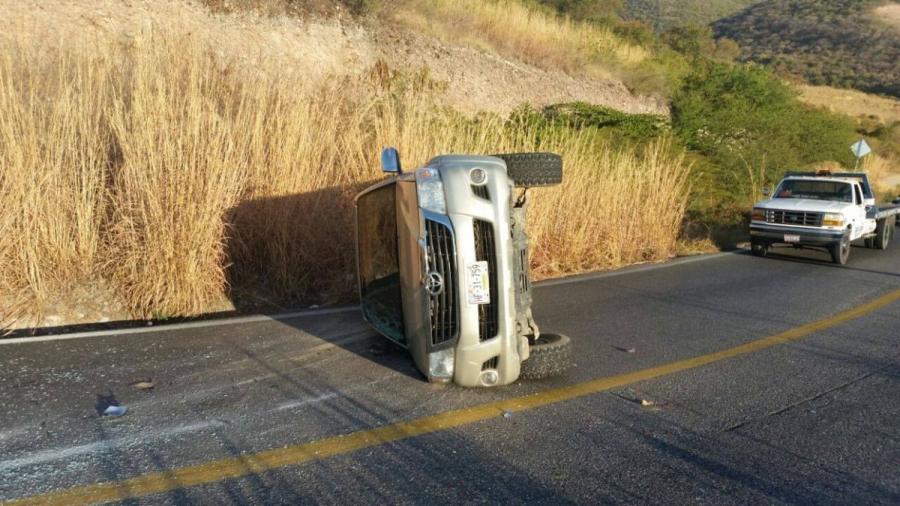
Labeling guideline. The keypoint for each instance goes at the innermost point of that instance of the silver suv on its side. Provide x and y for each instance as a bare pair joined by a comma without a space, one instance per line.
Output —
444,268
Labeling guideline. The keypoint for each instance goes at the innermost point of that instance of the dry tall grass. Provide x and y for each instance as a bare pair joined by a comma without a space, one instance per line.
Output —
615,207
884,175
54,149
170,169
853,103
515,29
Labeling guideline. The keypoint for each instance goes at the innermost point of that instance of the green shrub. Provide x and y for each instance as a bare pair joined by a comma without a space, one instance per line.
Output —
609,124
750,126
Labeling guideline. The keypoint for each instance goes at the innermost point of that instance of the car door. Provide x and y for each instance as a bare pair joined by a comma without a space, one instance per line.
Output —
858,214
378,261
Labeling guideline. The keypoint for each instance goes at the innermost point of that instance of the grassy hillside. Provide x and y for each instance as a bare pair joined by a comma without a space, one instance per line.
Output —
178,153
174,155
856,104
837,43
665,14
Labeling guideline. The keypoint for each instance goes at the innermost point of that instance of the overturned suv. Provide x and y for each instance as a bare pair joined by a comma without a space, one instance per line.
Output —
443,264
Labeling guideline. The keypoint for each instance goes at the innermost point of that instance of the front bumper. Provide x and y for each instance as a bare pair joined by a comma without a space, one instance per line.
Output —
807,236
485,342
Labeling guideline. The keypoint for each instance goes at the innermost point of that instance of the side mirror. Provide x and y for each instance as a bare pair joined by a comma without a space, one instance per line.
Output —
390,161
766,191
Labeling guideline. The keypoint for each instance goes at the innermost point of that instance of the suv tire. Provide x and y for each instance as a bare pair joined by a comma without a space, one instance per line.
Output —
533,169
550,355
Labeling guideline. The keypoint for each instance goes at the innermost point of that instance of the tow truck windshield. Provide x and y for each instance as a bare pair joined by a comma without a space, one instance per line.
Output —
816,190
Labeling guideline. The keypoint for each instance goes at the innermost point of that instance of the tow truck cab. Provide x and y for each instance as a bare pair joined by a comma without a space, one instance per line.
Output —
821,210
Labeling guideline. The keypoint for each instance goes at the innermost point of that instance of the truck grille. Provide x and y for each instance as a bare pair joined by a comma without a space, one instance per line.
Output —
794,218
486,250
442,260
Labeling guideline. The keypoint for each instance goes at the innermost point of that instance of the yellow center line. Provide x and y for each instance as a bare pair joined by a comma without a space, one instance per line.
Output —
244,465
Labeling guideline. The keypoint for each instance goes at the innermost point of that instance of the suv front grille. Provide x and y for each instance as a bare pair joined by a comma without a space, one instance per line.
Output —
490,363
481,191
486,250
442,260
794,218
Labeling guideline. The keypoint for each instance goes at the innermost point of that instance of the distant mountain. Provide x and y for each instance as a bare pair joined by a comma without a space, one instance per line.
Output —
665,14
840,43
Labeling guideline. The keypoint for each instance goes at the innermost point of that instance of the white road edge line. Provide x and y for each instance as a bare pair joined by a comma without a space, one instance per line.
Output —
579,278
98,447
181,326
338,310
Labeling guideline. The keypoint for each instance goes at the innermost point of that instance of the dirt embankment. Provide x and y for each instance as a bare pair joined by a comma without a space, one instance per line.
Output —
475,81
480,81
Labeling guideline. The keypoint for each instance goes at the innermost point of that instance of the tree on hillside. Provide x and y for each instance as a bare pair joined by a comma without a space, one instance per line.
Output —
742,117
697,41
833,42
588,10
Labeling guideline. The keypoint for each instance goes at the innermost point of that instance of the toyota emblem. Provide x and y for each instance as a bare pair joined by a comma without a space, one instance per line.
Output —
434,283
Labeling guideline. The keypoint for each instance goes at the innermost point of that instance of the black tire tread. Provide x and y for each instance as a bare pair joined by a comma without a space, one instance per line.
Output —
759,248
549,358
533,169
835,251
884,228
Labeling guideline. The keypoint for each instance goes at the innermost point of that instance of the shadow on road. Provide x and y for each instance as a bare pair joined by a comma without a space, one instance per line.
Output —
782,254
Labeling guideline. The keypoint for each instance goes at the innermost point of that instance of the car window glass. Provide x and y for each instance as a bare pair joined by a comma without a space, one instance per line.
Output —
379,267
836,191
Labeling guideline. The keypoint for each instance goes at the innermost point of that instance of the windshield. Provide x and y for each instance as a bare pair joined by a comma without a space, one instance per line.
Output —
379,267
816,190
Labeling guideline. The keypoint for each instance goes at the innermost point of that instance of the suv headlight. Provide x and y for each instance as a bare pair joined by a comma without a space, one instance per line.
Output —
430,190
759,214
832,220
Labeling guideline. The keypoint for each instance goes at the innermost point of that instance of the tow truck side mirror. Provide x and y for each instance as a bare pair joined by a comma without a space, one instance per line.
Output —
390,161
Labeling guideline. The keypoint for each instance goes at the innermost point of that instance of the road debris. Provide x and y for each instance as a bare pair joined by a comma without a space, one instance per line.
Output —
115,411
144,385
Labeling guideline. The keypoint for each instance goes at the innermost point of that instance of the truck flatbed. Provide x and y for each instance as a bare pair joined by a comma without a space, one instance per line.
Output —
885,210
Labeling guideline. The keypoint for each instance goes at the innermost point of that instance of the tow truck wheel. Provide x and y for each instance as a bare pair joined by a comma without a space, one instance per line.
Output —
840,252
759,248
549,356
883,233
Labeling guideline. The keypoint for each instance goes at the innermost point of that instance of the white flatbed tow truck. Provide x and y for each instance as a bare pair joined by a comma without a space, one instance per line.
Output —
823,210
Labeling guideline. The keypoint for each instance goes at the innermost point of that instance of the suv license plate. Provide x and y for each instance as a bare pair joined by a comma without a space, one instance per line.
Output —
791,238
479,284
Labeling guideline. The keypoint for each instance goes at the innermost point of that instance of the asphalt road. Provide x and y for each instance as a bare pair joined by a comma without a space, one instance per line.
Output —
813,420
